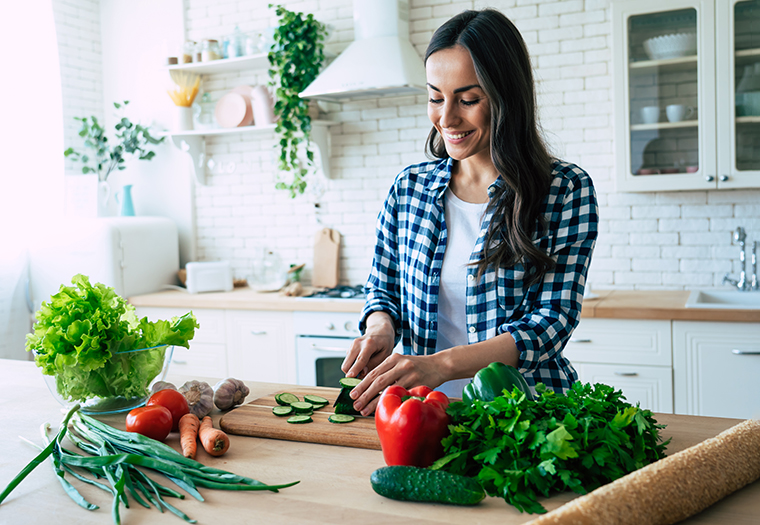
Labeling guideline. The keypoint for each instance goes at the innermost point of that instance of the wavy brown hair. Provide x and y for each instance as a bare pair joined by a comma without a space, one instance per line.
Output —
519,153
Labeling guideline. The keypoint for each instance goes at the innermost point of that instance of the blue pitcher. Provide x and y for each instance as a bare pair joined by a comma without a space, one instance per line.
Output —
124,198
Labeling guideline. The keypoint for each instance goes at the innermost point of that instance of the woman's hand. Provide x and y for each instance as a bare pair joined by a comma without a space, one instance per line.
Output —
372,348
407,371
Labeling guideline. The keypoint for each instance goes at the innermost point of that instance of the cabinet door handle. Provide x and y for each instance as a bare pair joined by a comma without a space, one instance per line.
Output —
626,374
745,352
258,332
579,340
329,349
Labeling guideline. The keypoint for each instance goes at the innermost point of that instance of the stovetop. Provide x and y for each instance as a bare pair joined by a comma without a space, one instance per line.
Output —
339,292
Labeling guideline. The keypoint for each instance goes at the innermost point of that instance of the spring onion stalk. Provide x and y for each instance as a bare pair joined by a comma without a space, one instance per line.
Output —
120,457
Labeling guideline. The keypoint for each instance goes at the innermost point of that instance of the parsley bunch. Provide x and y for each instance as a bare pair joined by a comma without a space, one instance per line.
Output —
521,449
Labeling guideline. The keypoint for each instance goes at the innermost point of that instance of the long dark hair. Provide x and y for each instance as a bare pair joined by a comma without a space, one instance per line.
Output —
518,151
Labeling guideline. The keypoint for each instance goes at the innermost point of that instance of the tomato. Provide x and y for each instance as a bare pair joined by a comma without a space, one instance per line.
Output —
154,421
174,401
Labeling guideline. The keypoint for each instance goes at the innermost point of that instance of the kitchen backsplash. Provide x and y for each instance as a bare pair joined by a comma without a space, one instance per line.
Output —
668,240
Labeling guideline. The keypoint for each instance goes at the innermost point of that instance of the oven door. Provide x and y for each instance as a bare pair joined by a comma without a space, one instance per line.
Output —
319,359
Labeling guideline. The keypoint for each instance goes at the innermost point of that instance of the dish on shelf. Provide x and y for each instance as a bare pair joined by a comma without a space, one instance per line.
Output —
671,46
234,110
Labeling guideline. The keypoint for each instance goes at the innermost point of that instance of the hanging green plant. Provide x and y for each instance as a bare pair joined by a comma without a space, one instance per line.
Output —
295,60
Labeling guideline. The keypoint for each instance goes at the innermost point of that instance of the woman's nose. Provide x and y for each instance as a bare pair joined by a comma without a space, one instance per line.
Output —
449,116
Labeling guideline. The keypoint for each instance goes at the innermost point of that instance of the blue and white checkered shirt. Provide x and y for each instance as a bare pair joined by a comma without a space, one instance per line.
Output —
411,241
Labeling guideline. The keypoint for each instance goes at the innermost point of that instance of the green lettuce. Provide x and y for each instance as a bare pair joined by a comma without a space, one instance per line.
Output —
86,334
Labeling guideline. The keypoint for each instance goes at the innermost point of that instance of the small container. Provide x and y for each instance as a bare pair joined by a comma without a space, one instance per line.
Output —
188,52
204,112
252,43
237,44
210,50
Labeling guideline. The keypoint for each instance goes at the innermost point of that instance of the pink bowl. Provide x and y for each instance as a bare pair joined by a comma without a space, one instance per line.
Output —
692,169
234,110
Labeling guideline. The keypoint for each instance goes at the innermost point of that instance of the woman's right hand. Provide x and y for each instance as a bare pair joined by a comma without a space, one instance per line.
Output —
372,348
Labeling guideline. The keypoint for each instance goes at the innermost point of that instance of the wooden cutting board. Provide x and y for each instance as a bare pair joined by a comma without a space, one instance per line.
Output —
326,259
256,419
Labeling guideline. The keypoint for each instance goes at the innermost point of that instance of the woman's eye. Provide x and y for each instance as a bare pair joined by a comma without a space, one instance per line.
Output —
470,102
435,100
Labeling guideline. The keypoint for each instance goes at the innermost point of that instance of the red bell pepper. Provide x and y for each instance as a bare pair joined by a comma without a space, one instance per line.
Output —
411,425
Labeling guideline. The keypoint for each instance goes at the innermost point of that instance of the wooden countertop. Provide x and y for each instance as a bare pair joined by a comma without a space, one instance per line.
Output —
609,304
334,486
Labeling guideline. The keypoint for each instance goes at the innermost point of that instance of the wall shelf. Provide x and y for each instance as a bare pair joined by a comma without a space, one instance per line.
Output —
225,65
193,142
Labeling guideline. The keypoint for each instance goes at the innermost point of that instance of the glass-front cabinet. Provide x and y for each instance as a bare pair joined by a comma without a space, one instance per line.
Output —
687,94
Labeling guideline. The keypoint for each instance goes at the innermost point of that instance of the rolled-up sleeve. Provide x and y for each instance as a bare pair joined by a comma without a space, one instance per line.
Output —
545,328
383,284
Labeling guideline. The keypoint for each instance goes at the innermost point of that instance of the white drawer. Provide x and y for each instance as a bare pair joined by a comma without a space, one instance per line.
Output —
650,386
624,341
212,325
202,360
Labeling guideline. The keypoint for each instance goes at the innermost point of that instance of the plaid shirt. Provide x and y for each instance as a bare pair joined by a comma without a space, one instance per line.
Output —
411,241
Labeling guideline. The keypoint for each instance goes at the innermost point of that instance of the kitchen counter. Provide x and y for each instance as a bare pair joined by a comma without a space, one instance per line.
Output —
609,304
334,484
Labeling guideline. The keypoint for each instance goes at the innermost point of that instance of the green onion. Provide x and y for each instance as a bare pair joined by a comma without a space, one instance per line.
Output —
119,457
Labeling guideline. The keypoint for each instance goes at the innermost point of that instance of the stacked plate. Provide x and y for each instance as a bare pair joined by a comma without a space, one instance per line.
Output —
671,46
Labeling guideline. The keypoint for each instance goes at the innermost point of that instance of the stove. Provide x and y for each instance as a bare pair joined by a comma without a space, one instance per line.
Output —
339,292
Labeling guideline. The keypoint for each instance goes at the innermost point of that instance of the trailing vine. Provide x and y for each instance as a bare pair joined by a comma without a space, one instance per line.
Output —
295,60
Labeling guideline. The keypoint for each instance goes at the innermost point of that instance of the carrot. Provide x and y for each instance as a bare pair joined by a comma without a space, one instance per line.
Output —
214,441
188,433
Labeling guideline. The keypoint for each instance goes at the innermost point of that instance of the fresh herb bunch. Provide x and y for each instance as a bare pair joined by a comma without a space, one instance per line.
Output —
80,332
521,449
295,61
131,139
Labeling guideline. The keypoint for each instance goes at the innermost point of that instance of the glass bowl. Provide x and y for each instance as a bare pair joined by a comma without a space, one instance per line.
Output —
137,369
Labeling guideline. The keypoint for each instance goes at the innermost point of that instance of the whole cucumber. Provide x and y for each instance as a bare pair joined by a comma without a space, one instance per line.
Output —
422,484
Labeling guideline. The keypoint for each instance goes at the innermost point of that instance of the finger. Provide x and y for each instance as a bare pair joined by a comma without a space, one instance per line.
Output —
351,354
367,348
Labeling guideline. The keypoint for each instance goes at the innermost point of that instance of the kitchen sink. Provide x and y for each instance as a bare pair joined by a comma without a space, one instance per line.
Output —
724,299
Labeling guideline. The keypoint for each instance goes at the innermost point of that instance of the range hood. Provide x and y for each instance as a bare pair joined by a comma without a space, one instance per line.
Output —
380,61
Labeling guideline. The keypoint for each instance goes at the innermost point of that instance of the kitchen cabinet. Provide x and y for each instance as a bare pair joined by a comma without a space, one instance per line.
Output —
193,142
631,355
703,55
261,346
716,369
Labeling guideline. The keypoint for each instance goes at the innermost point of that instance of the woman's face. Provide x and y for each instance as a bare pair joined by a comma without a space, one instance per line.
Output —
458,106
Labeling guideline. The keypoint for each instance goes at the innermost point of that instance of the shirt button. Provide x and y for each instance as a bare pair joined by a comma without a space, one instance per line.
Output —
472,329
470,278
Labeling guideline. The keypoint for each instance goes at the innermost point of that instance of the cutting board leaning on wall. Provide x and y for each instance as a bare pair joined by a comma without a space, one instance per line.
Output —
326,259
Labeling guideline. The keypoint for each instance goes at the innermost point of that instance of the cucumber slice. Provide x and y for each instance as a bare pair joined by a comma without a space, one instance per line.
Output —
315,400
282,410
302,406
286,398
340,418
299,419
322,405
349,382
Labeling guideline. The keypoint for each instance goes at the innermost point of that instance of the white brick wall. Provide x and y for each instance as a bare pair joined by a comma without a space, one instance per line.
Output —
77,25
668,240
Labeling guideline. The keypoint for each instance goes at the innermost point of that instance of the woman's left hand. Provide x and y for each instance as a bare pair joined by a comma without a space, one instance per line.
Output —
407,371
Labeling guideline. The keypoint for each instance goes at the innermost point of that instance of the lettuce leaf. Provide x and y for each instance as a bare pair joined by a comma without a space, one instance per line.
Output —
84,337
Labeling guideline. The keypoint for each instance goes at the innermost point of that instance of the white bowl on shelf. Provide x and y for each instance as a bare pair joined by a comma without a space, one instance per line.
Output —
671,46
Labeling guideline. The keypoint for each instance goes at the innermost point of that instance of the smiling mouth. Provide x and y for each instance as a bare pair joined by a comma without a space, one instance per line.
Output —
458,135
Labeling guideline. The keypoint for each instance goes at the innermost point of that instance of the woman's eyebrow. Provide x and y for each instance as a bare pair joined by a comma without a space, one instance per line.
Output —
457,90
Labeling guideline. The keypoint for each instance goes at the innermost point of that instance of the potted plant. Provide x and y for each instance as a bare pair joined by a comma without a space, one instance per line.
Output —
295,60
105,156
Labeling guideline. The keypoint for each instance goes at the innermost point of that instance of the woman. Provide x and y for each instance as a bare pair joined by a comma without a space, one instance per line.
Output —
482,255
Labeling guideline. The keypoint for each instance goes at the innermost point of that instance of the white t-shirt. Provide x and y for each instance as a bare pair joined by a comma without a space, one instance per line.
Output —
463,222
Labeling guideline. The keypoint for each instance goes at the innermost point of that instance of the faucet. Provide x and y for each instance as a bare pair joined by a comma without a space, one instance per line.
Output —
740,237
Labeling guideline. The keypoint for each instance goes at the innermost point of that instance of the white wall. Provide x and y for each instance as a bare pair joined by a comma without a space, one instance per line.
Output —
668,240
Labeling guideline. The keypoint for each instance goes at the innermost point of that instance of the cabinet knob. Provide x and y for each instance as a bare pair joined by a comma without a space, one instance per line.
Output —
709,178
724,178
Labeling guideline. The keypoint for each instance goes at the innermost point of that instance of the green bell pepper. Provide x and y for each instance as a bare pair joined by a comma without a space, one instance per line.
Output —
490,382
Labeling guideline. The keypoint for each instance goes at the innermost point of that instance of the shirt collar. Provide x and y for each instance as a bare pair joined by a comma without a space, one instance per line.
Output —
441,176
